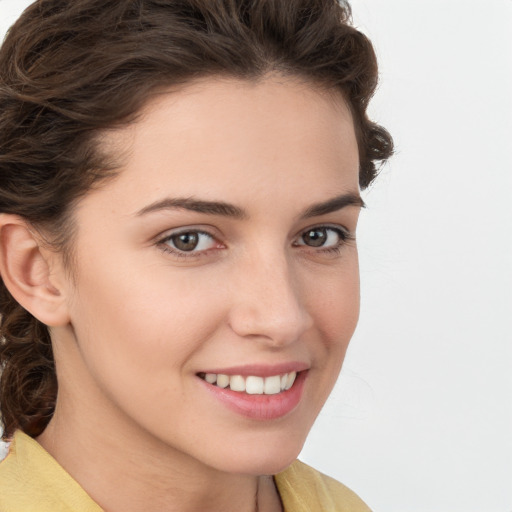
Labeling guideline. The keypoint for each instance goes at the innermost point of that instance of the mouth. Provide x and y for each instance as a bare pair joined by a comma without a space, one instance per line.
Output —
251,384
258,393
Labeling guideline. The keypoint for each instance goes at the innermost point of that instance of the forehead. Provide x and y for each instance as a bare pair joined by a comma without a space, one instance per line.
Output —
246,102
223,135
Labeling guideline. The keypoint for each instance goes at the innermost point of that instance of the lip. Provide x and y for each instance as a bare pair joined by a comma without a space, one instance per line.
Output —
260,370
259,407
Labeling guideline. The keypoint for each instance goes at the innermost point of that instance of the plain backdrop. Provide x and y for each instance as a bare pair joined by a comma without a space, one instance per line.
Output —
421,418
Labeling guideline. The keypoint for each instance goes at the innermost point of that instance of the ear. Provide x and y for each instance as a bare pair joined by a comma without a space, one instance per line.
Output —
26,268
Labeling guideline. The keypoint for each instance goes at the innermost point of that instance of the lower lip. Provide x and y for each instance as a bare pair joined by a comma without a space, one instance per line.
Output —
261,407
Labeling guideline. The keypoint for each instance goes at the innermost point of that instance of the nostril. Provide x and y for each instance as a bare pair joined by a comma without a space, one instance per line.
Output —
276,328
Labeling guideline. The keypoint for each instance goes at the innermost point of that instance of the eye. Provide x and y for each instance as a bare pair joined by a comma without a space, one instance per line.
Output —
189,242
324,237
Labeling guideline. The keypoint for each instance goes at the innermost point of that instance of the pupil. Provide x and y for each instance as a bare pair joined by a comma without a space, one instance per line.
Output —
315,237
186,241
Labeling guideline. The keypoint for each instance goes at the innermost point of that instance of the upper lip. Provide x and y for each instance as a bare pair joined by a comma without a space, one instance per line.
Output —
260,370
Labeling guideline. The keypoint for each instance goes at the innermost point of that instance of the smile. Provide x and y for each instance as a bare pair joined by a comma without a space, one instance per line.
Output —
252,385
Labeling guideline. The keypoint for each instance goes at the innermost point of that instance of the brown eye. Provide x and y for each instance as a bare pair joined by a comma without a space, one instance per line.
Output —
185,241
315,237
190,241
324,236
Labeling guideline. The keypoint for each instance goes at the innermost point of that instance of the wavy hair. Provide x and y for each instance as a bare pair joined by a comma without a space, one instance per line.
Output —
69,70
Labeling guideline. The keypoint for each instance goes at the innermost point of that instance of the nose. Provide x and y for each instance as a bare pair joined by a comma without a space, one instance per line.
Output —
268,301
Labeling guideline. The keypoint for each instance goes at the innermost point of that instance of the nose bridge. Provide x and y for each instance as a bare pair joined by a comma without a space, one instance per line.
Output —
268,300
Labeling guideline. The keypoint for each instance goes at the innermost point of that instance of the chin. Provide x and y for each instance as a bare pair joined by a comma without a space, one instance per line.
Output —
267,458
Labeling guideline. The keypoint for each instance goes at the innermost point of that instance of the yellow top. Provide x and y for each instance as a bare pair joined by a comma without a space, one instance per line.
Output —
31,480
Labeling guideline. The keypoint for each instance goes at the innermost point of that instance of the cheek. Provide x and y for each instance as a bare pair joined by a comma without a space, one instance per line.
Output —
142,323
137,338
336,311
336,305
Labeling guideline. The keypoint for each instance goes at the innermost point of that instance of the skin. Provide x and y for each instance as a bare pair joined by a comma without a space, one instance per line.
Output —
140,321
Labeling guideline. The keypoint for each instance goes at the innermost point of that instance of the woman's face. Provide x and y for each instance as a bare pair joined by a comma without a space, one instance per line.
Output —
224,250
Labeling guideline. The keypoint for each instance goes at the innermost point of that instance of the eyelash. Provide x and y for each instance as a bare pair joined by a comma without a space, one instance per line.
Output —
343,234
164,245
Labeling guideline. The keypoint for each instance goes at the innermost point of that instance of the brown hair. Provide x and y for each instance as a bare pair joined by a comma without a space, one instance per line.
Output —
72,69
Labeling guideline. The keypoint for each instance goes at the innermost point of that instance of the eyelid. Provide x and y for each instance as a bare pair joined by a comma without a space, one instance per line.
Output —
344,233
347,233
205,229
162,241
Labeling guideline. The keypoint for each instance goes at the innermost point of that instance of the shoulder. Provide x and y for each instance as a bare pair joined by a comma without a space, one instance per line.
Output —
303,488
30,480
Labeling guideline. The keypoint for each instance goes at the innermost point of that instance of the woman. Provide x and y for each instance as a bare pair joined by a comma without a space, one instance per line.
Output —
179,194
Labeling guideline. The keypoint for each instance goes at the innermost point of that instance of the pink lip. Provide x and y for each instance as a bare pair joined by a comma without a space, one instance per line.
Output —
260,370
259,407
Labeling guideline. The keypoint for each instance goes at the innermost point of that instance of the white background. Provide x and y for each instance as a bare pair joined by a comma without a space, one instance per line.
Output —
421,419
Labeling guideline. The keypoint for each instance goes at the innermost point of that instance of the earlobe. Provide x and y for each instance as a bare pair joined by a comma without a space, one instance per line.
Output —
26,271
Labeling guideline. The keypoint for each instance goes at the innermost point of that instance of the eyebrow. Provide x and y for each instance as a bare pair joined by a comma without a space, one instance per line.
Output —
229,210
188,203
333,205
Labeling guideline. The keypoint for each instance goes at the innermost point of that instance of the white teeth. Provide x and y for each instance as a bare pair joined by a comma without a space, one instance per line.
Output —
290,380
237,383
222,381
253,385
272,385
211,378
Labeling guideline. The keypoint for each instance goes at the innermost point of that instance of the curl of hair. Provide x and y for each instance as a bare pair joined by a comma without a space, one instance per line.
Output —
70,70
